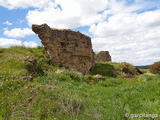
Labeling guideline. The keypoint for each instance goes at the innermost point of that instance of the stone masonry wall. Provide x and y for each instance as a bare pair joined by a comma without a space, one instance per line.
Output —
71,49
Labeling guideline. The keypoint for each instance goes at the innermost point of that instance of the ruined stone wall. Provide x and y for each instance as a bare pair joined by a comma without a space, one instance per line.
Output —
103,56
71,49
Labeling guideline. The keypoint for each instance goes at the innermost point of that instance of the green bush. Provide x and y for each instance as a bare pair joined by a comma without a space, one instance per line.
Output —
39,62
89,79
155,68
62,77
74,76
103,69
32,66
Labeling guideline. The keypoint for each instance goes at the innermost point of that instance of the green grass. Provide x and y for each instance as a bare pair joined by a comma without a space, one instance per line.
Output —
68,95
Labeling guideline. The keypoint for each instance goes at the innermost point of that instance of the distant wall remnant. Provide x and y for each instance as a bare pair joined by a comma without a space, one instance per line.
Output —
71,49
103,56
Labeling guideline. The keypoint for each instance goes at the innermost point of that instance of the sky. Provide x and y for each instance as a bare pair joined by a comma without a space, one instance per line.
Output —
128,29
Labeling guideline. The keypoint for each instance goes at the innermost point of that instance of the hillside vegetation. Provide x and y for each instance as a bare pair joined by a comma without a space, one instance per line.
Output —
71,96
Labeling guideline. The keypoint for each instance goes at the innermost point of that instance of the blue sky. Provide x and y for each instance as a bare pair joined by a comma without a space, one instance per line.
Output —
128,29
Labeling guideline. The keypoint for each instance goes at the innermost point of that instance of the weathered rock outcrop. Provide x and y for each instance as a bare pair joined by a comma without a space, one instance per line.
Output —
71,49
103,56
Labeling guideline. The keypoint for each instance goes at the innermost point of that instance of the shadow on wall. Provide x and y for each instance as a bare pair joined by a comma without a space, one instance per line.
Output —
103,69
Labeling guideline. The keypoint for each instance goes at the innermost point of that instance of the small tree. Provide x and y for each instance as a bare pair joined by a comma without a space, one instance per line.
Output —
155,68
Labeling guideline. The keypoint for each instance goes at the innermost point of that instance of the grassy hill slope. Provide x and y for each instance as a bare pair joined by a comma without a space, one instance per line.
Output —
68,95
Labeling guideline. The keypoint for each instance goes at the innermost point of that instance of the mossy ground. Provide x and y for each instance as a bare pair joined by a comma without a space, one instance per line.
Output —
69,96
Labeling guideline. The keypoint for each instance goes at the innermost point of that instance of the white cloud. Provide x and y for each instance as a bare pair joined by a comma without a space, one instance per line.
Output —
18,32
29,44
14,4
7,23
130,37
116,26
71,14
5,43
79,13
125,23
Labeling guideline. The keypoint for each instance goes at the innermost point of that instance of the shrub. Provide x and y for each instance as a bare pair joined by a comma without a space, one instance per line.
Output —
38,62
73,75
32,66
103,69
90,79
62,77
155,68
2,50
